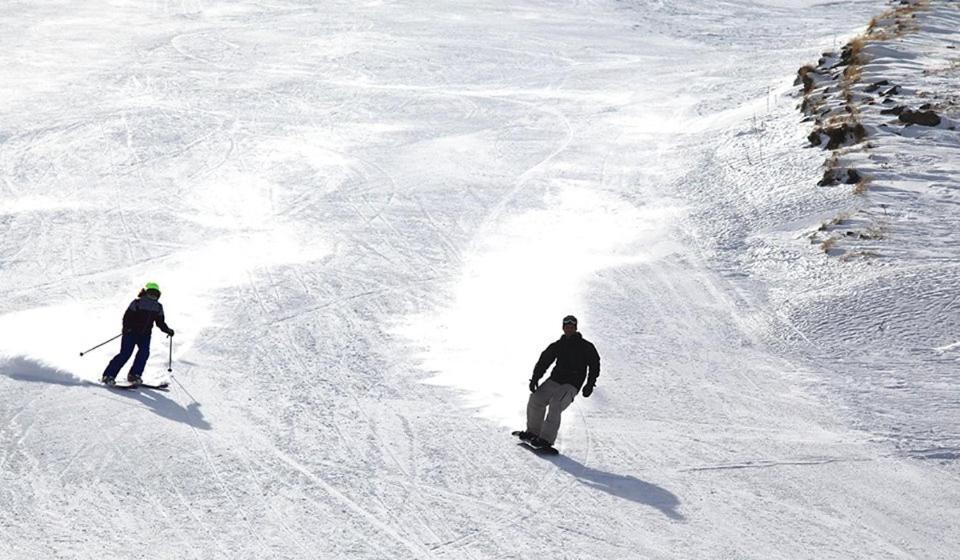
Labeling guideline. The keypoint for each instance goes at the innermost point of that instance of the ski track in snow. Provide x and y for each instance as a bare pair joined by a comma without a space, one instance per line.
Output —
368,218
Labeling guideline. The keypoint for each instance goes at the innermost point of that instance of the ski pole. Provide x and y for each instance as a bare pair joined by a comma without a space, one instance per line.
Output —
170,359
101,344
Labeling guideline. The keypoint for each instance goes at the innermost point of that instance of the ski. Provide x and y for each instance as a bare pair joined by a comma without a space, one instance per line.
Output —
127,386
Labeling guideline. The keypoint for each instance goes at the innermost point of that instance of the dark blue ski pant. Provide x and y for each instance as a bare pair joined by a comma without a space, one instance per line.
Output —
127,344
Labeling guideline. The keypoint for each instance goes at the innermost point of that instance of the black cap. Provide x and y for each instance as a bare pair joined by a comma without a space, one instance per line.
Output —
570,320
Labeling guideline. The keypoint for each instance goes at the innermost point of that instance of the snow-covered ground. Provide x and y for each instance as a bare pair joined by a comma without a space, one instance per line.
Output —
368,219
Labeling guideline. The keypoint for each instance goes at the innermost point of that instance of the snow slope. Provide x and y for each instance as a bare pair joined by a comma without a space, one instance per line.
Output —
368,218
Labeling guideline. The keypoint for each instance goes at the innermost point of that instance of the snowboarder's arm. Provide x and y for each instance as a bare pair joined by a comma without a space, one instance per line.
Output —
546,358
593,367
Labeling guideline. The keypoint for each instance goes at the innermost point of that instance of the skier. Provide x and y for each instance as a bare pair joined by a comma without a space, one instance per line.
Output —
138,321
577,360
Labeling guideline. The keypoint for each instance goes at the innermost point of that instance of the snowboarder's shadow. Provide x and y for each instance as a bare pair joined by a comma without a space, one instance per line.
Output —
622,486
23,369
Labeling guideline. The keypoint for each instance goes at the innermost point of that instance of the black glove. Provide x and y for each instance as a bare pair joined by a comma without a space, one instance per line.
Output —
533,385
588,390
170,332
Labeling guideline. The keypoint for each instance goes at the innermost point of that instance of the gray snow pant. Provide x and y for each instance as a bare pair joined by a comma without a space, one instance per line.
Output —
558,397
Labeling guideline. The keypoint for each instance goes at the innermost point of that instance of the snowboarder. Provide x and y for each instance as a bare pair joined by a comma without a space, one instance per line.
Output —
577,361
138,322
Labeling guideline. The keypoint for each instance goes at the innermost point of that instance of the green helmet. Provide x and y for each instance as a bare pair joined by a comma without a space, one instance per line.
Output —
152,286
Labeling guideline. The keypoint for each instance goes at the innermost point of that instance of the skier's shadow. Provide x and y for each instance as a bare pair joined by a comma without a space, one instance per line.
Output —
23,369
622,486
162,405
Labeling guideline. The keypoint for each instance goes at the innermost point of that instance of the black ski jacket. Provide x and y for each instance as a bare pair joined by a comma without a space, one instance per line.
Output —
140,316
574,355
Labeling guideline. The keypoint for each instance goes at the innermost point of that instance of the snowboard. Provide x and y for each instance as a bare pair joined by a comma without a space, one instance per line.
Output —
548,450
159,387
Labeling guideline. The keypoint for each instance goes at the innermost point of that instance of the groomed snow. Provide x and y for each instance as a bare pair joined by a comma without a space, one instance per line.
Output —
368,219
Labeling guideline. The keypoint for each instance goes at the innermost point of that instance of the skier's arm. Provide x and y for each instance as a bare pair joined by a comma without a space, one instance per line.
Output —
162,324
128,315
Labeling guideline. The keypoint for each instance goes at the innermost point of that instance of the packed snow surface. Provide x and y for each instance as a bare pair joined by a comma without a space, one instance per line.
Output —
368,219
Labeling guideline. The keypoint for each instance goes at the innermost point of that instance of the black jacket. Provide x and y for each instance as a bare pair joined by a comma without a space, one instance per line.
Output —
574,355
140,316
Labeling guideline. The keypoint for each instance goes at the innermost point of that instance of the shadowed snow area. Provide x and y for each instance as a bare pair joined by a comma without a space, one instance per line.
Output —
26,370
368,219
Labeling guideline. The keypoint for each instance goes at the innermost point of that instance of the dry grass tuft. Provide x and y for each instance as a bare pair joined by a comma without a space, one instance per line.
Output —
838,220
854,56
856,47
852,74
896,22
862,186
804,77
828,244
877,230
859,255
